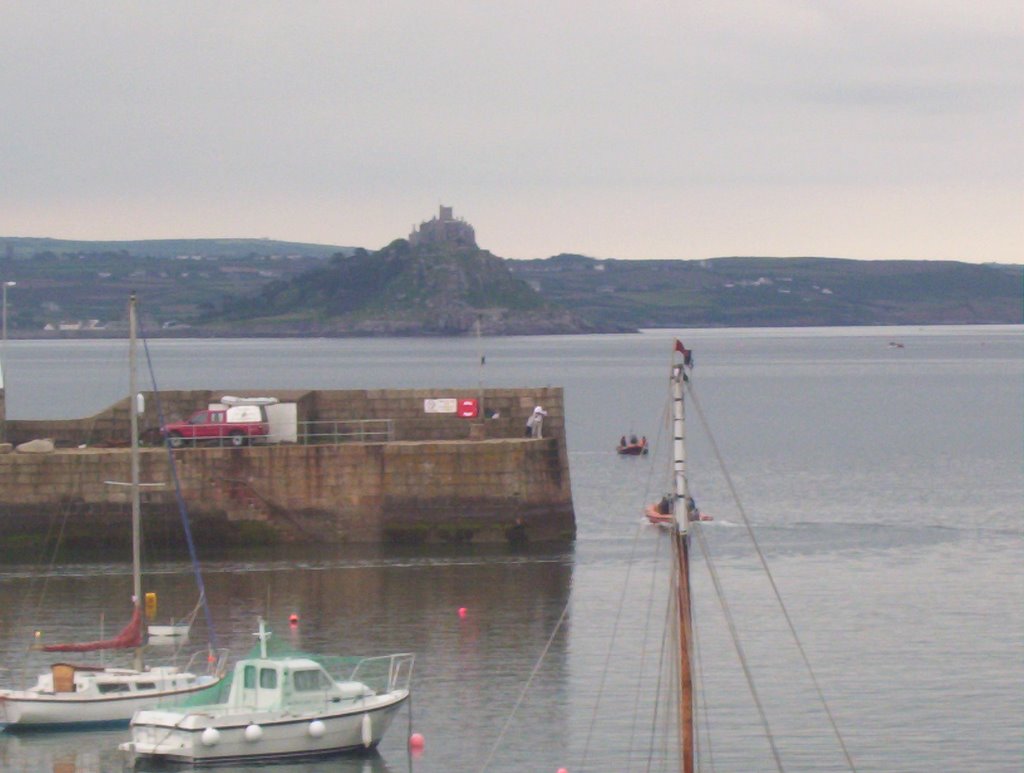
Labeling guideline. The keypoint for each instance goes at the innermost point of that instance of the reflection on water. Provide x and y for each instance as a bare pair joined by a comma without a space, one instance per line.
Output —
64,752
96,752
470,666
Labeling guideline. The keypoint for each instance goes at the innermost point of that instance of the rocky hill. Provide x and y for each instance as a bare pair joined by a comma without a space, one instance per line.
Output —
437,282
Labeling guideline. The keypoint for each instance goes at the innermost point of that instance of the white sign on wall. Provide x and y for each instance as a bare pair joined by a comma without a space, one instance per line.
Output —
441,405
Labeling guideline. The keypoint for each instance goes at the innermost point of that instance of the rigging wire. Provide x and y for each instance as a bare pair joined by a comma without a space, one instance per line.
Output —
526,687
669,644
663,432
663,427
651,595
182,511
611,645
68,510
56,552
704,713
37,604
768,573
734,633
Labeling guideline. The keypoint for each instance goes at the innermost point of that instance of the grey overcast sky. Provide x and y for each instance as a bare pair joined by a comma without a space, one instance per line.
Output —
856,128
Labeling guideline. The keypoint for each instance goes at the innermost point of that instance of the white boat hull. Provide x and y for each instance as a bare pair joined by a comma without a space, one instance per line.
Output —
37,710
168,631
214,737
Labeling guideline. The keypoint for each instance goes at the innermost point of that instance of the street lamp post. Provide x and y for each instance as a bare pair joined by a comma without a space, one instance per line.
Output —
3,358
4,324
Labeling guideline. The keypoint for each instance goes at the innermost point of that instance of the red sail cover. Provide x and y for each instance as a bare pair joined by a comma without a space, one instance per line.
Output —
131,636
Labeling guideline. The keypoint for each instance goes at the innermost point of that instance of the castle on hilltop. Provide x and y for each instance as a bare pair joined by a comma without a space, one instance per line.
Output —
443,228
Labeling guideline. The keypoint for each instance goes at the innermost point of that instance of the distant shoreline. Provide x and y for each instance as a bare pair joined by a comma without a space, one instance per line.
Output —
118,335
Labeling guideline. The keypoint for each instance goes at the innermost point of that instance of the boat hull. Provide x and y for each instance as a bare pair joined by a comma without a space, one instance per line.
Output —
168,631
634,449
29,710
211,738
654,516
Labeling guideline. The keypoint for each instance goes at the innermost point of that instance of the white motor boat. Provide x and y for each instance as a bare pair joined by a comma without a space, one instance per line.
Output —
278,707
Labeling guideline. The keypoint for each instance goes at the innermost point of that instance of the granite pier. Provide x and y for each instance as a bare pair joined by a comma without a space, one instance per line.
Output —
379,468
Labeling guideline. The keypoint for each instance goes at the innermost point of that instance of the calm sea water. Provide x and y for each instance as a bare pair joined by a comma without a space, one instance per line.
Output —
885,486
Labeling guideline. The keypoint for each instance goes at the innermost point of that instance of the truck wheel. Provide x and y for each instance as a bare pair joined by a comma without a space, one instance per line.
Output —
175,440
237,439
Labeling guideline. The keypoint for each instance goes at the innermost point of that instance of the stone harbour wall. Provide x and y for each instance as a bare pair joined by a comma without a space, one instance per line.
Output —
443,479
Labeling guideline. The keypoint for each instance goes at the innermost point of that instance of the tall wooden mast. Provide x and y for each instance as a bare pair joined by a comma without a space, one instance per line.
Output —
681,546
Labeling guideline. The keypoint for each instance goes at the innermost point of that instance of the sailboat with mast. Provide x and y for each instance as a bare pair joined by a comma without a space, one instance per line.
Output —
70,695
677,512
680,515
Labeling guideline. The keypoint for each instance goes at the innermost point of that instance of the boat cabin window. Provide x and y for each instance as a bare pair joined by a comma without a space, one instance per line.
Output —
249,677
113,687
268,678
145,685
312,679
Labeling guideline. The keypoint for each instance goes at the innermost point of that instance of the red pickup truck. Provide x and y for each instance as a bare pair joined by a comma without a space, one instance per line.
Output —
237,424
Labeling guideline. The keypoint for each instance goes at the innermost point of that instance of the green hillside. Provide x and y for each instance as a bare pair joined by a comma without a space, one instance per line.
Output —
442,284
80,283
24,247
778,291
428,289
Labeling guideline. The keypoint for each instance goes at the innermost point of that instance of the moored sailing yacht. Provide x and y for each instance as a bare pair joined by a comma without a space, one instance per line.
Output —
70,695
678,514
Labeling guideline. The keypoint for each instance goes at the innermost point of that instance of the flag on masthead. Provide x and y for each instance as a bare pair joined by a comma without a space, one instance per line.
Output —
687,354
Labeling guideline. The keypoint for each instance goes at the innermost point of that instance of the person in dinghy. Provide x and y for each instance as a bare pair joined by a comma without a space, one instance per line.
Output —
693,513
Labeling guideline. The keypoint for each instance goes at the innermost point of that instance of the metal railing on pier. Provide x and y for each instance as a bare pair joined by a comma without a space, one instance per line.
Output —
353,431
307,433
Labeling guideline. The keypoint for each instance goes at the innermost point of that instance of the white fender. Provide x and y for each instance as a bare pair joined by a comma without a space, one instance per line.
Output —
367,728
317,729
253,733
210,736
